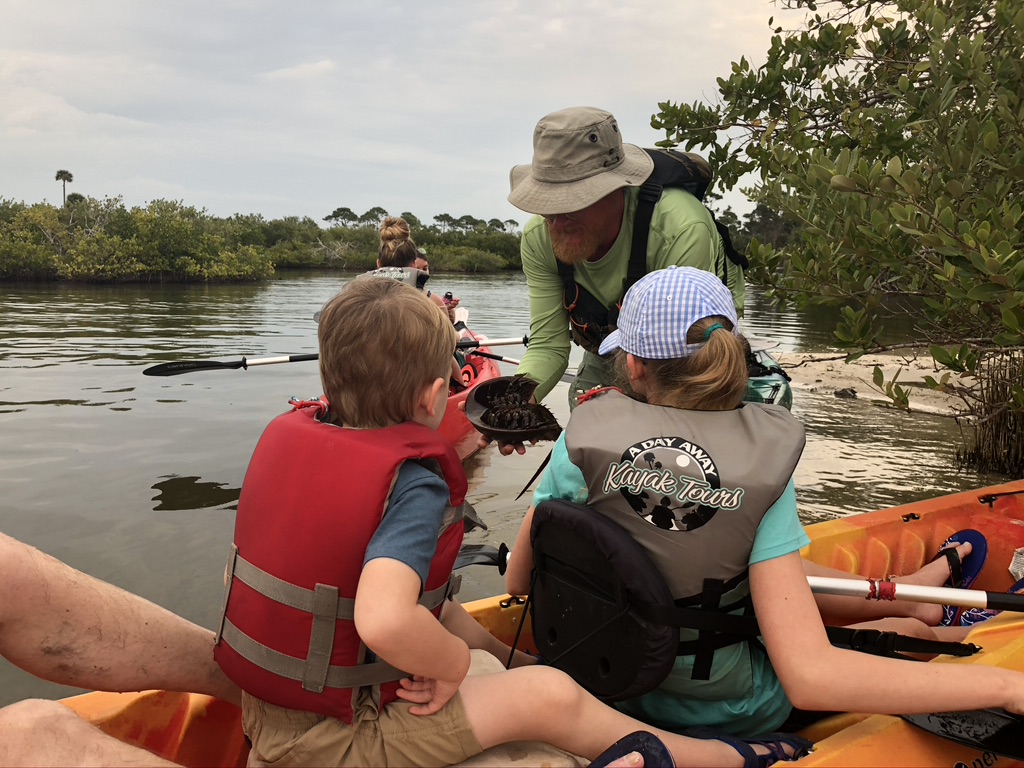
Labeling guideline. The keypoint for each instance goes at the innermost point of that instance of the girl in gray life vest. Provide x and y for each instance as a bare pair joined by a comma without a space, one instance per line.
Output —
400,259
704,483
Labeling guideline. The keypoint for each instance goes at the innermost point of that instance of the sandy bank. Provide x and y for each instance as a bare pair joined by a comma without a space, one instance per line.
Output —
823,373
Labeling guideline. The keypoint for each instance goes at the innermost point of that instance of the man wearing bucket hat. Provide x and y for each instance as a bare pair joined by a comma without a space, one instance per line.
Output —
583,184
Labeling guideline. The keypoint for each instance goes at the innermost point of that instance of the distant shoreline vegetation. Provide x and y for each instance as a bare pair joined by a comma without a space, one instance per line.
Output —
102,241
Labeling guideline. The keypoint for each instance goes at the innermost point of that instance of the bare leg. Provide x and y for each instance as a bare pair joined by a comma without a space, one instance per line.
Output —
46,733
64,626
457,620
840,610
543,704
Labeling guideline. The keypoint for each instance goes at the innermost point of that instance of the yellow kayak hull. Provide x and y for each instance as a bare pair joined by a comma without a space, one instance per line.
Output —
197,730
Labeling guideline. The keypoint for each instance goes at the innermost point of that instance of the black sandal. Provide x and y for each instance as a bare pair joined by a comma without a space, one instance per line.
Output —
775,743
956,566
653,750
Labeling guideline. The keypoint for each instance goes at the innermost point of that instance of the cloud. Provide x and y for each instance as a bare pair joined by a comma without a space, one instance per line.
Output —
296,109
303,71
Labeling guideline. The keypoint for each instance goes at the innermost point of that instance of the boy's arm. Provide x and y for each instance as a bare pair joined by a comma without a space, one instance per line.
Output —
403,633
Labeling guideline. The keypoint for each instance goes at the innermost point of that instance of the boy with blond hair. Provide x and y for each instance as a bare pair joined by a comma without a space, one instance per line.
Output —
338,623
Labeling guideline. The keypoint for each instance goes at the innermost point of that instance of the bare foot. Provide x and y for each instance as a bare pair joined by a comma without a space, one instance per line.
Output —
935,573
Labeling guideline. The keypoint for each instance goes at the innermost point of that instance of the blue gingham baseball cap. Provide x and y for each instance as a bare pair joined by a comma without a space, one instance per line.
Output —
662,306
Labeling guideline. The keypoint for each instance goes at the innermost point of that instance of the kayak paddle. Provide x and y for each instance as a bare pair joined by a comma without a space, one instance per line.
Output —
871,589
986,730
189,366
965,598
482,554
568,378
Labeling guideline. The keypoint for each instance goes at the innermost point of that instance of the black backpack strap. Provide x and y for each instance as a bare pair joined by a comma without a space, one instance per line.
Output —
590,321
706,646
699,619
648,197
731,253
675,169
894,645
570,291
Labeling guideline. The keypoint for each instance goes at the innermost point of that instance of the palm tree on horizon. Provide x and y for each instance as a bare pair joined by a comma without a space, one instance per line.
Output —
66,177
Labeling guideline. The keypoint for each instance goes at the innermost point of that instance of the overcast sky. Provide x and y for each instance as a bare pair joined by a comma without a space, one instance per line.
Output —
297,108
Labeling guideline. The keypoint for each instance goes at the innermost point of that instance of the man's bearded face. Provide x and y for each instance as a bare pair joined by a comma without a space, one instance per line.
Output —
586,234
572,242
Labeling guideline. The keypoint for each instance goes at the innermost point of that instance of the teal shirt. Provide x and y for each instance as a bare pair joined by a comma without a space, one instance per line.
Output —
737,701
682,233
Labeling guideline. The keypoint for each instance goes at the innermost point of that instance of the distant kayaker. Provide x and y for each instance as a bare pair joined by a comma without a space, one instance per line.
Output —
399,250
339,624
72,629
583,183
399,258
704,483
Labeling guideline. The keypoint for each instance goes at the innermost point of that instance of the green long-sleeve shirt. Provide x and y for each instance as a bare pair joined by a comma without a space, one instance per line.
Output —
682,234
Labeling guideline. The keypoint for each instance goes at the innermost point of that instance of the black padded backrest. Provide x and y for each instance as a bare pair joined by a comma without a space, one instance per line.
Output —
589,574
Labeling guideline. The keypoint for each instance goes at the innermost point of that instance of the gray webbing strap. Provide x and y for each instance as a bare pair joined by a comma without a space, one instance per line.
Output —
288,594
306,599
295,669
457,514
327,607
451,588
321,638
430,600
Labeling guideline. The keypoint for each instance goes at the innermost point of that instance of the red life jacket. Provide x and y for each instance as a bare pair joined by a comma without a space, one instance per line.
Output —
313,496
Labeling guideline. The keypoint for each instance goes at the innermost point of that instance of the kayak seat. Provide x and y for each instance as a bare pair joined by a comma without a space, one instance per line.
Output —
591,580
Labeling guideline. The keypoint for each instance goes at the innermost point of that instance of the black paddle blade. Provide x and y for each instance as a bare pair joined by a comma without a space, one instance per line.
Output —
476,554
188,366
483,554
990,730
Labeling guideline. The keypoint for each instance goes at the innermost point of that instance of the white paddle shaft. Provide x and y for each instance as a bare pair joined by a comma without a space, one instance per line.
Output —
870,589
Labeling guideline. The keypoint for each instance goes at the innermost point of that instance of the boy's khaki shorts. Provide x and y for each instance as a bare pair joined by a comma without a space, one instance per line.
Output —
392,737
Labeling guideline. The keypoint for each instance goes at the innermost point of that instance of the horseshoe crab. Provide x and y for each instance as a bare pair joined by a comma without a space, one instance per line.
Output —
501,410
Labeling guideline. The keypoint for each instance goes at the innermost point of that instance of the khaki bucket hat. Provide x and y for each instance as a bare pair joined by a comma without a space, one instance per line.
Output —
578,158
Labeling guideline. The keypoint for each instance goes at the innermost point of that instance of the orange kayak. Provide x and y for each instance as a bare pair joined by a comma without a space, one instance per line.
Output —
197,730
455,426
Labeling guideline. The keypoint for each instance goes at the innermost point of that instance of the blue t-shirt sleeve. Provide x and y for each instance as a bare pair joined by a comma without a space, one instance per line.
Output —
780,531
563,480
408,532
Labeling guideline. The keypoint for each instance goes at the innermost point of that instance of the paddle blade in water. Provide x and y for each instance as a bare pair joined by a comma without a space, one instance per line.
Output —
990,730
188,366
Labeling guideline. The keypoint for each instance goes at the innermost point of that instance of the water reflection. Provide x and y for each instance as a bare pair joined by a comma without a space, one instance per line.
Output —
861,457
93,455
179,493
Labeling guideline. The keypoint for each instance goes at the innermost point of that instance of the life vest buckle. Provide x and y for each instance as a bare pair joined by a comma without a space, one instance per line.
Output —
320,403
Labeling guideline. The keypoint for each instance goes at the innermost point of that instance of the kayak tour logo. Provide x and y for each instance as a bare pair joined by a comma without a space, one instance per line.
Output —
671,483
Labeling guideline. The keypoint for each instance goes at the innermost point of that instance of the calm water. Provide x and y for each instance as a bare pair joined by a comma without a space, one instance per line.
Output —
134,479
